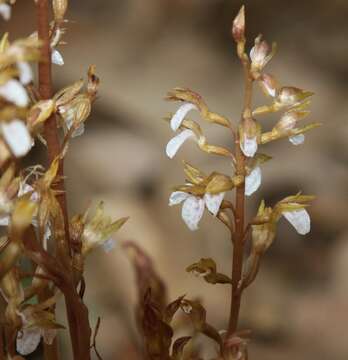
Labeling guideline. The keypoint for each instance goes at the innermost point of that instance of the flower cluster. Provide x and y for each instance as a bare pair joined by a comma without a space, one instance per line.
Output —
211,192
33,212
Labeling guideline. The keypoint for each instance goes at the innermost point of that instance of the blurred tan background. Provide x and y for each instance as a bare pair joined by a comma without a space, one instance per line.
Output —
298,307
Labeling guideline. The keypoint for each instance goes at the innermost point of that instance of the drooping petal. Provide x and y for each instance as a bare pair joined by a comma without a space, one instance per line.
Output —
28,340
192,212
57,57
5,11
253,181
109,245
25,73
13,91
300,220
249,146
177,197
179,116
17,137
175,143
213,202
297,139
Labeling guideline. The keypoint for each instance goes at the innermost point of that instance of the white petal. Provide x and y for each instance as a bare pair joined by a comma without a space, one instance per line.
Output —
213,202
179,116
5,11
13,91
253,181
17,137
249,146
109,245
4,220
300,220
175,143
192,212
25,72
57,57
177,197
28,340
297,139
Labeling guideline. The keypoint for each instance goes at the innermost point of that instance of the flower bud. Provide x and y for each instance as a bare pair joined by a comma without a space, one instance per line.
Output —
263,235
249,134
238,28
291,96
59,9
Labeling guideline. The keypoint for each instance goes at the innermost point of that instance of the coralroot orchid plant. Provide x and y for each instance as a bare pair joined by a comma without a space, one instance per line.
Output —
42,250
212,192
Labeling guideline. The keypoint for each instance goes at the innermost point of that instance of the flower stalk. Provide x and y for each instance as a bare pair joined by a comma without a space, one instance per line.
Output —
77,312
238,236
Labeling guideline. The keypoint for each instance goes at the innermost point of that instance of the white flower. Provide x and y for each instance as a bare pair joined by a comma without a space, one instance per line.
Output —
297,139
180,115
17,137
5,11
299,219
253,181
57,57
176,142
28,340
193,207
25,72
13,91
249,146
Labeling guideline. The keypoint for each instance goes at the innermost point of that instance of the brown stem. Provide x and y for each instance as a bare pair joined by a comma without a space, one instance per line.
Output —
77,312
46,92
238,235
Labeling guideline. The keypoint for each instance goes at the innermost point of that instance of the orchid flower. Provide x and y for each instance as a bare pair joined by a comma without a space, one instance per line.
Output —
193,206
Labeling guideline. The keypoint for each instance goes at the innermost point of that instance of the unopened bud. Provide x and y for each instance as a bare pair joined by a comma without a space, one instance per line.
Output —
238,28
290,96
59,9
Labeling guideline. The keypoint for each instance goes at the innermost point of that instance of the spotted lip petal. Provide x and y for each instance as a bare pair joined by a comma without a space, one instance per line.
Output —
213,202
176,142
249,146
297,139
180,115
253,181
13,91
28,340
192,212
300,220
5,11
177,197
17,137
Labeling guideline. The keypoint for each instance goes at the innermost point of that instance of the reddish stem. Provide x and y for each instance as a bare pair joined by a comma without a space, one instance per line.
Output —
77,312
239,234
